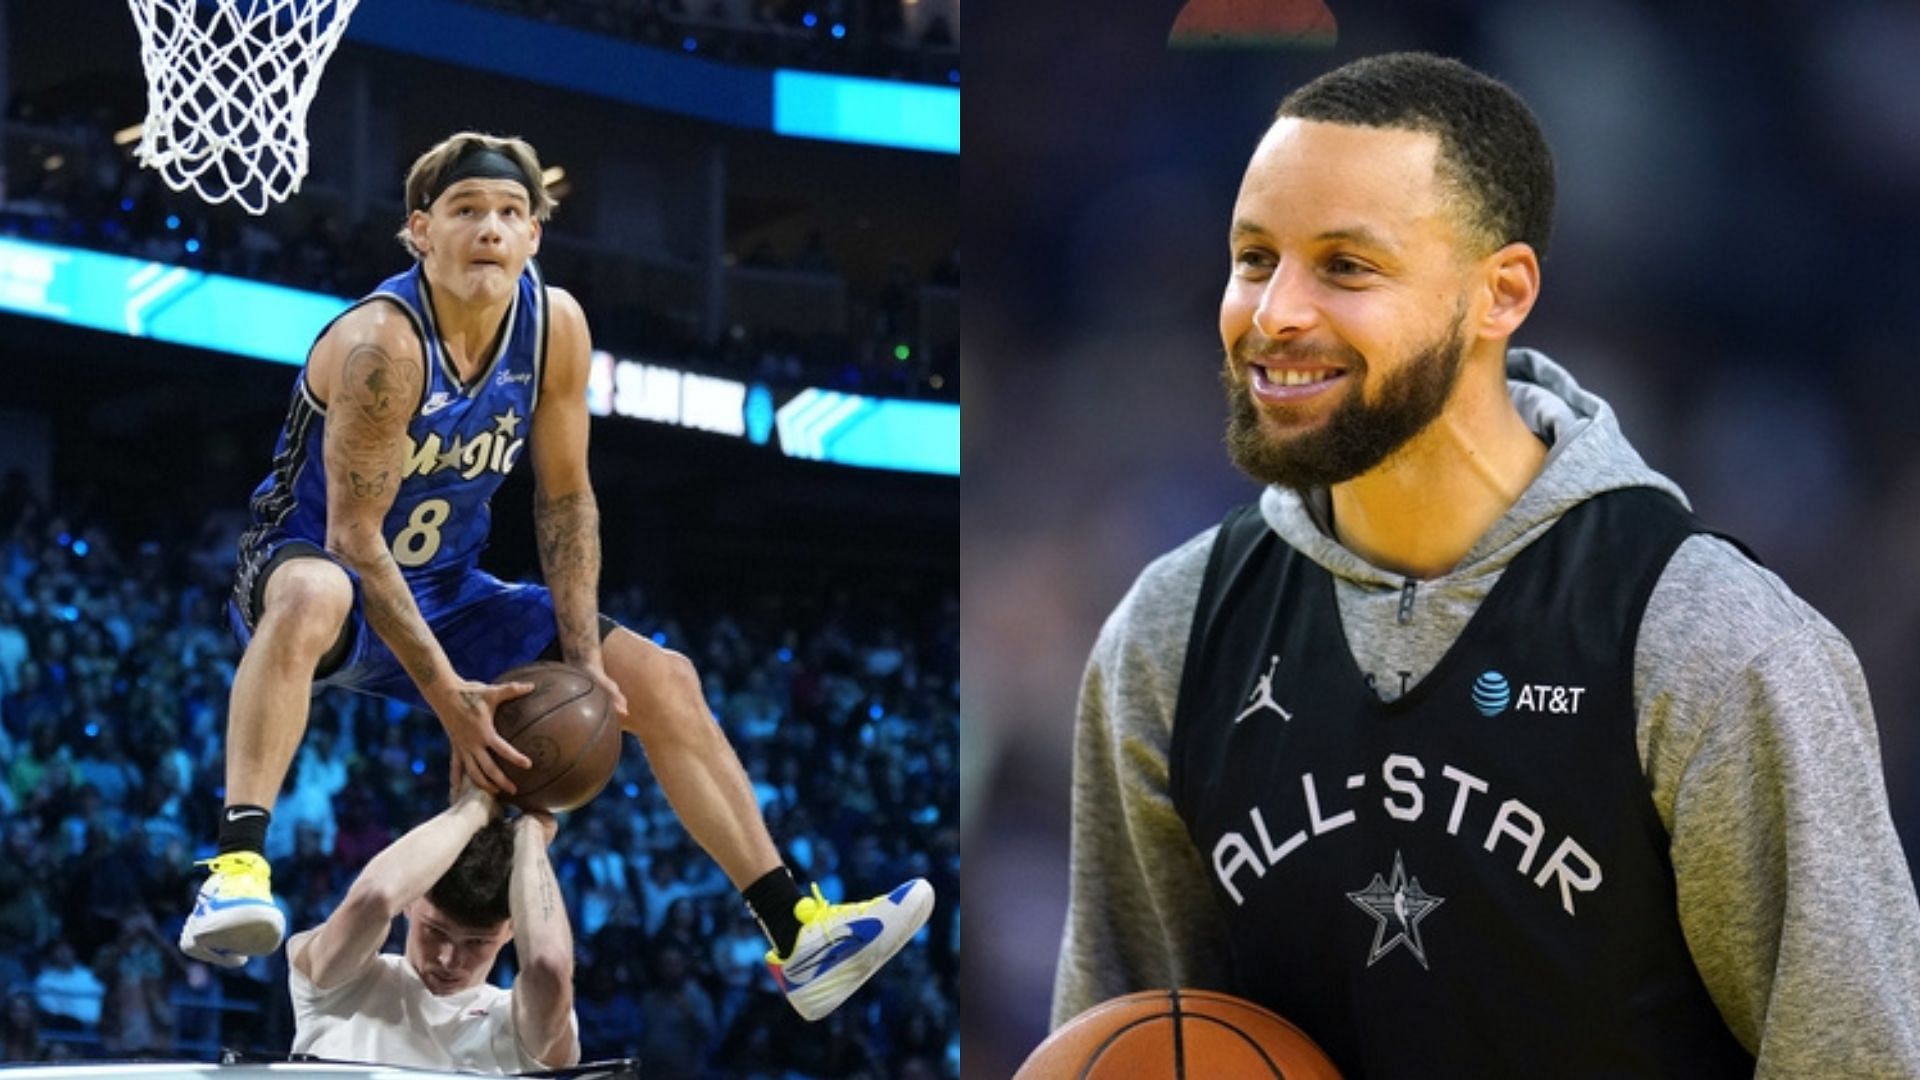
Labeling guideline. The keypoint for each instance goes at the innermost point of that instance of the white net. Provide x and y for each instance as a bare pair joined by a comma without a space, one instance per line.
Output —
228,86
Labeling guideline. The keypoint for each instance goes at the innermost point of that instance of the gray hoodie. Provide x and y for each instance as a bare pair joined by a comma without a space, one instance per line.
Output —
1754,731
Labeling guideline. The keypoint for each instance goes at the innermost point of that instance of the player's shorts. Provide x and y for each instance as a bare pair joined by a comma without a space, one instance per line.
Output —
485,625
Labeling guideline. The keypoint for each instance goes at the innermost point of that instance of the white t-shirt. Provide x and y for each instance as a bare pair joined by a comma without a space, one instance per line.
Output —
386,1015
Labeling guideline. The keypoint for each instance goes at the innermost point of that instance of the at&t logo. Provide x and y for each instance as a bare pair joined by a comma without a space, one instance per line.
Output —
1492,695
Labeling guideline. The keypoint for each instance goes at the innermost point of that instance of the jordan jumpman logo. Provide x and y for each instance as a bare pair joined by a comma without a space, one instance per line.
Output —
1262,696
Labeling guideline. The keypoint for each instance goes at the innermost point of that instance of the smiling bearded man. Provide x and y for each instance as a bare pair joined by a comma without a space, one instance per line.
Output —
1357,436
1467,748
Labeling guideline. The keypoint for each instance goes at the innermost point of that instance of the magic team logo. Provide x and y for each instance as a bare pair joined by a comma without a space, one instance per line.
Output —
1397,905
1491,695
494,450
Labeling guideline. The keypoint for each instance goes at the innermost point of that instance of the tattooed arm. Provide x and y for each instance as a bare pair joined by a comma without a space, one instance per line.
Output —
543,945
369,370
566,518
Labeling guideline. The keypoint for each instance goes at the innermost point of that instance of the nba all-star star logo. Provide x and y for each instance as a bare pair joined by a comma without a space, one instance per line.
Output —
1397,906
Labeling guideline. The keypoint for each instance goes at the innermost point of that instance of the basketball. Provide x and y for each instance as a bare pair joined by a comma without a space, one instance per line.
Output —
568,729
1169,1034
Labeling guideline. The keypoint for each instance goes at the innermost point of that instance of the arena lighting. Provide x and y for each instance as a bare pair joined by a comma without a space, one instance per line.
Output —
666,395
812,105
182,306
168,303
843,108
820,425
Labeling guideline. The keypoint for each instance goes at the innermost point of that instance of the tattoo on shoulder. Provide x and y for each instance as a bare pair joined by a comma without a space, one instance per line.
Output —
378,386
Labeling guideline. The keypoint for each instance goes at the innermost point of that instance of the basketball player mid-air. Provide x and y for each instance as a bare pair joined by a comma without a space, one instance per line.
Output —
1466,748
360,568
468,882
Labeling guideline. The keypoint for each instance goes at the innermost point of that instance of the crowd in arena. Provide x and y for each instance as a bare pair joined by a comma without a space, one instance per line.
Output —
115,664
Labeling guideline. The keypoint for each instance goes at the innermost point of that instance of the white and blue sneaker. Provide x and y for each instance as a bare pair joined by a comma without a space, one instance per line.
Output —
234,917
841,945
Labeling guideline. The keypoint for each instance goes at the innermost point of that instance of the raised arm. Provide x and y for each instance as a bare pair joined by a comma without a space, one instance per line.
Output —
339,948
369,370
566,518
543,944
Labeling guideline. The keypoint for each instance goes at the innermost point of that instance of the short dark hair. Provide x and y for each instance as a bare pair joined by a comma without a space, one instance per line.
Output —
473,891
1491,148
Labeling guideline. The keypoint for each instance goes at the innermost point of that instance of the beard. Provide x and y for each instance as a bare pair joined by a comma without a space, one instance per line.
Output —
1359,435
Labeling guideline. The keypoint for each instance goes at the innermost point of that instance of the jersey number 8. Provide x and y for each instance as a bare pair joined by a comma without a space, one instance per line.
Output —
416,544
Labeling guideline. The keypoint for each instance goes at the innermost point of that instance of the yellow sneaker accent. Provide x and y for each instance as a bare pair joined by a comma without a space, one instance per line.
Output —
841,946
815,910
234,916
242,874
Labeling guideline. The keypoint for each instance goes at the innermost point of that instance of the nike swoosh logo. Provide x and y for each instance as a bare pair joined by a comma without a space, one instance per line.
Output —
435,404
241,815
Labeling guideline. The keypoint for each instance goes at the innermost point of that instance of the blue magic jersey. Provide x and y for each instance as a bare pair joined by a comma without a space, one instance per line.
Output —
463,439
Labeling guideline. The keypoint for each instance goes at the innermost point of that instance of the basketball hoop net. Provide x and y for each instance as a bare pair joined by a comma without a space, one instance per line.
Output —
228,86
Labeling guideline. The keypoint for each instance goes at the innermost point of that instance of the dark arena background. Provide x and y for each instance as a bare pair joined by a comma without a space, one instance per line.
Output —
775,452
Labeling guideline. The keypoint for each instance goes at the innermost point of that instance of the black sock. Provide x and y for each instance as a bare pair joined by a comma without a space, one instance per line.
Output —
771,900
244,828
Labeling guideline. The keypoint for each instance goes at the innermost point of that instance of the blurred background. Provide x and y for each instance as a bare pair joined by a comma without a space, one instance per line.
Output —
738,280
1736,268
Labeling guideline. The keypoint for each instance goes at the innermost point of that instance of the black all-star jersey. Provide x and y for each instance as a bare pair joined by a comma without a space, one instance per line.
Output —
1471,880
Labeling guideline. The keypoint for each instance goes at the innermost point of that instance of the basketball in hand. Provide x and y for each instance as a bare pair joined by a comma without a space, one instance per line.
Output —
567,728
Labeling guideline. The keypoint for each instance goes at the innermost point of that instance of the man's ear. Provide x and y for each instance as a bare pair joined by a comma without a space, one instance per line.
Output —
417,229
1511,280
